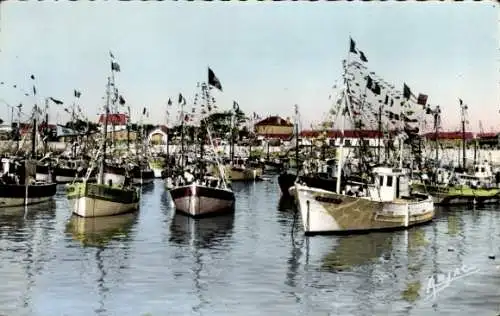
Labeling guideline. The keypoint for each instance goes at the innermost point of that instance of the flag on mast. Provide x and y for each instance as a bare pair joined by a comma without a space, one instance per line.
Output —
213,80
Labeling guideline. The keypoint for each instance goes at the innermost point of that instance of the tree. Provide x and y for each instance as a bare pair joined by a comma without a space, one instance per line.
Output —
81,126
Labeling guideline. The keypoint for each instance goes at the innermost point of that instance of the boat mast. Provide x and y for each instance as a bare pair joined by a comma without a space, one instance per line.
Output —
104,134
18,129
128,129
33,135
297,164
463,110
203,128
343,109
231,142
183,119
437,119
46,129
341,146
167,122
379,131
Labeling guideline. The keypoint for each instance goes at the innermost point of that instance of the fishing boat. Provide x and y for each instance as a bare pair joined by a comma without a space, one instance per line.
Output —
386,203
210,196
245,170
71,170
202,194
326,179
101,198
45,171
455,186
462,186
452,188
240,169
157,164
286,180
18,185
117,173
380,199
142,175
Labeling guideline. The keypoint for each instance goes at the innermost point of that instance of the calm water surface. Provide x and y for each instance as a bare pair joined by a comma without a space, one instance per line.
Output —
157,263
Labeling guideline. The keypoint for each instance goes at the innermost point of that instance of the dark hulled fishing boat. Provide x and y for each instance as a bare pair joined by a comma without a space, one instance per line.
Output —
117,174
62,171
18,186
202,199
142,176
202,195
319,180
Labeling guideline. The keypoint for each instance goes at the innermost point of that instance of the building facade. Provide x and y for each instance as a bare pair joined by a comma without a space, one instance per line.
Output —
274,127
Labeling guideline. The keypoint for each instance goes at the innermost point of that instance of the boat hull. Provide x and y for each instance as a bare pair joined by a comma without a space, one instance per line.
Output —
94,200
14,195
197,200
158,172
324,212
459,195
43,177
117,176
67,175
287,180
169,183
146,177
95,207
246,174
240,174
273,166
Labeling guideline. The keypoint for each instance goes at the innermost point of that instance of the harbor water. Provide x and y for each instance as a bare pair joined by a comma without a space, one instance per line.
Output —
256,262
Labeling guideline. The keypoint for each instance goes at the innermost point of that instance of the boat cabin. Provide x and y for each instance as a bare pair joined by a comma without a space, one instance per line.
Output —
482,175
389,184
443,176
483,171
6,166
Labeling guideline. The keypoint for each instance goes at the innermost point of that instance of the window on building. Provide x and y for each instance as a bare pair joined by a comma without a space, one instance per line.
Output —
389,181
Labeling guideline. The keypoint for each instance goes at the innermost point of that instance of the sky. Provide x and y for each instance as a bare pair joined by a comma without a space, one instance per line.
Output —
268,56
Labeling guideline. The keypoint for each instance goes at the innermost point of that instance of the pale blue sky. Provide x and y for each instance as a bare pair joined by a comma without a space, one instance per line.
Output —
268,56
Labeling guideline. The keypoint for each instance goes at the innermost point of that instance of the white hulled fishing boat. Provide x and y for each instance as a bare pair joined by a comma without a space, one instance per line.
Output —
101,198
382,202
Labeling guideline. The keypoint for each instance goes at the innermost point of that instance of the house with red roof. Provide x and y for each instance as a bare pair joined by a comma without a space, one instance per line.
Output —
116,119
274,127
117,126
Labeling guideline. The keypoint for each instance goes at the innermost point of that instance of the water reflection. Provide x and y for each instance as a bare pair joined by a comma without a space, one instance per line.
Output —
13,220
245,263
25,239
354,250
202,233
98,231
286,204
147,188
241,187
